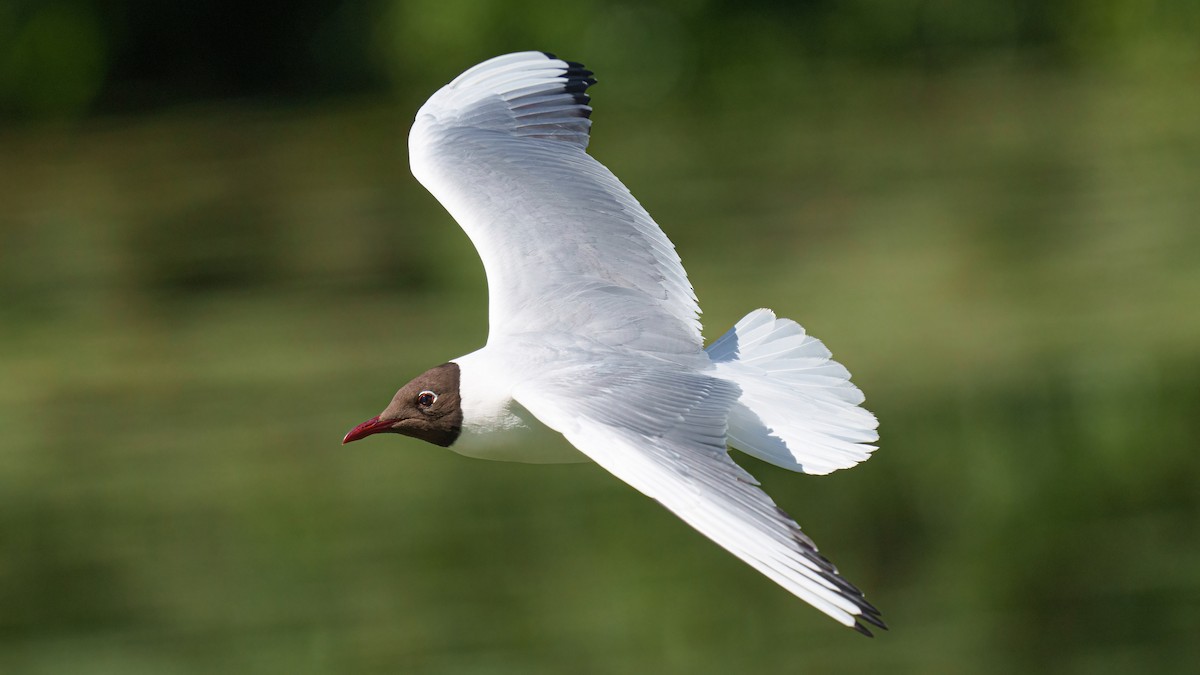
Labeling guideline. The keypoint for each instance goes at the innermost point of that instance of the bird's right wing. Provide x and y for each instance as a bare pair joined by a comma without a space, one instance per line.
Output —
566,247
663,431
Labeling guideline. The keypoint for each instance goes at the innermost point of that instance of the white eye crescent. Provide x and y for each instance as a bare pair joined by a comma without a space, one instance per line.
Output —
426,398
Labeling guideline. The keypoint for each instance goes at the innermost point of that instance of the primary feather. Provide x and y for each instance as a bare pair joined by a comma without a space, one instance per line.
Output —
565,246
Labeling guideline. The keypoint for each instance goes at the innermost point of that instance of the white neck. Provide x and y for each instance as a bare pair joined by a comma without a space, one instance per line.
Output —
486,394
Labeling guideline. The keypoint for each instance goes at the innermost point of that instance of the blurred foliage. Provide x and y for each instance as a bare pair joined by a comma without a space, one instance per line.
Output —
53,58
987,210
67,58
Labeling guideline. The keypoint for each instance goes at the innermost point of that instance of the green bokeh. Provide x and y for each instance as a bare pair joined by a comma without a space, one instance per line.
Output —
53,60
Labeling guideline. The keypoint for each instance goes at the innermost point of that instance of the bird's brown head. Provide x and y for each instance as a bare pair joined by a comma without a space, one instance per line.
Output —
429,408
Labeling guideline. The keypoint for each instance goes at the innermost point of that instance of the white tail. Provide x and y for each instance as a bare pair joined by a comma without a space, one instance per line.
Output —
798,408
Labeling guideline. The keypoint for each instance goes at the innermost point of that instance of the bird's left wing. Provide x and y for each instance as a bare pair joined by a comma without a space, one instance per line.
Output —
566,247
662,431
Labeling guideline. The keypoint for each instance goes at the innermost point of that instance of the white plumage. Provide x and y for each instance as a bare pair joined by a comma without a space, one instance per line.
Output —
564,245
594,330
798,408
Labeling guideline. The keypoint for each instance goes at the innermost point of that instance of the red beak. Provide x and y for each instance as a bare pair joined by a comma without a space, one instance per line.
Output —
371,426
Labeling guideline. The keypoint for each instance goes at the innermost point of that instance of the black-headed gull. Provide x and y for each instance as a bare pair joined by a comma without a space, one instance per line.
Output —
594,332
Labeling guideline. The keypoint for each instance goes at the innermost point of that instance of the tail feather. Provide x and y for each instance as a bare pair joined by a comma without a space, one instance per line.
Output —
798,408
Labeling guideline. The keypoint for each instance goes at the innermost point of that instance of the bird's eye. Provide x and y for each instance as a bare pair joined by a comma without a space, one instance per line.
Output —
426,399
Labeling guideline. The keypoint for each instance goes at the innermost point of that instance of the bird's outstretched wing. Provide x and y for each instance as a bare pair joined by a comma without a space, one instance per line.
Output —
662,430
565,246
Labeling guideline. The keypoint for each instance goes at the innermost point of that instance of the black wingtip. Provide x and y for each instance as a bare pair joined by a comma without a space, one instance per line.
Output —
867,606
576,67
573,67
576,71
874,619
578,85
862,629
579,79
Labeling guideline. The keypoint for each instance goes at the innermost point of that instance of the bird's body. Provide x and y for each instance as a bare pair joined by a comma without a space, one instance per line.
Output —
594,332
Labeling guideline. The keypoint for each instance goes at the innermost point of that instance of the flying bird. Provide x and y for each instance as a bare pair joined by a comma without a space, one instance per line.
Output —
594,332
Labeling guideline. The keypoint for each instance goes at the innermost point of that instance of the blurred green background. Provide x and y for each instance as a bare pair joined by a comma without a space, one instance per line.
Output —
213,262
